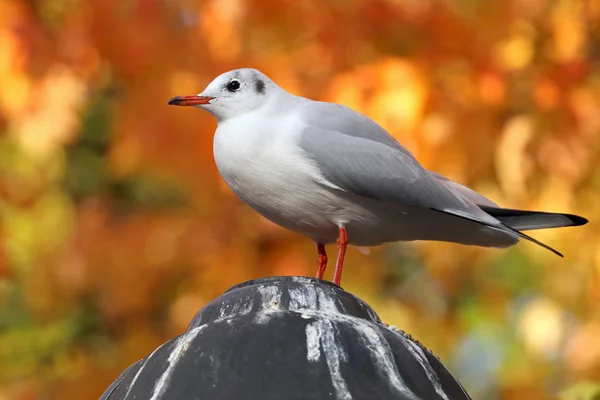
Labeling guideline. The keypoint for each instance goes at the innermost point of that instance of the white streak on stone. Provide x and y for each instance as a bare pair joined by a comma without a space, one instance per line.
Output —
301,279
140,370
271,296
382,357
334,355
418,353
321,339
302,298
264,316
223,311
313,342
242,306
180,348
306,297
327,302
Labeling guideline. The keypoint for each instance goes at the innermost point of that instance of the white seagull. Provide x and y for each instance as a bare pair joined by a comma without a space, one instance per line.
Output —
334,175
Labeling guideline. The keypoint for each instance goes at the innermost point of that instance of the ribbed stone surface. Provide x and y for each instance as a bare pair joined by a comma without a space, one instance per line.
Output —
287,338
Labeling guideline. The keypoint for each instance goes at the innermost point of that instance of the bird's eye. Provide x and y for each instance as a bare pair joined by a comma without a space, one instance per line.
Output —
233,86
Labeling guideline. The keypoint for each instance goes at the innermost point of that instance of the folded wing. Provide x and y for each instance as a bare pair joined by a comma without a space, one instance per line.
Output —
355,155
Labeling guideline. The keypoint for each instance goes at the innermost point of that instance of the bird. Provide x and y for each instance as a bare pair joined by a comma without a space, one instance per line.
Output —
334,175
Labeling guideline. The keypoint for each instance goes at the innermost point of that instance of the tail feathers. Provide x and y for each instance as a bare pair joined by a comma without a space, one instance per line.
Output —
504,227
528,220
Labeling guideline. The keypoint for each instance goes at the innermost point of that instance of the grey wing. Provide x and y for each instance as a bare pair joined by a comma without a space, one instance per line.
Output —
339,118
356,155
464,191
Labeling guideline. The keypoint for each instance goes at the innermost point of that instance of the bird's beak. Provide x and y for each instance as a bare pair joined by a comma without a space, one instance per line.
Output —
190,100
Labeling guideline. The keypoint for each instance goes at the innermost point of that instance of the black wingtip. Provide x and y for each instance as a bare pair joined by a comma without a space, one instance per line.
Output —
576,219
506,214
508,228
527,237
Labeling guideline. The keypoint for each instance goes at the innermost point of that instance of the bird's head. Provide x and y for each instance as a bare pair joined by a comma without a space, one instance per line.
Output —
232,93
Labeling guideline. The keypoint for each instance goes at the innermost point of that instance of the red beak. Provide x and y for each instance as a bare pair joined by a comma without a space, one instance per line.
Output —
189,100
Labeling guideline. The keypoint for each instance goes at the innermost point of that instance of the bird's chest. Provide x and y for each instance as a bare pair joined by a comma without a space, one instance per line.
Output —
257,177
267,171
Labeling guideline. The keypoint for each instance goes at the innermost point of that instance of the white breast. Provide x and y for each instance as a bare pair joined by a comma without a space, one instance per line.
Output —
269,172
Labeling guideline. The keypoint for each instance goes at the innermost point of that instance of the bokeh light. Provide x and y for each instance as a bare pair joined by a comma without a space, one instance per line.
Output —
116,227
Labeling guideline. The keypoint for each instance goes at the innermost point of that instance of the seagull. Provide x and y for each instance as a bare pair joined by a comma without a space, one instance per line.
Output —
335,176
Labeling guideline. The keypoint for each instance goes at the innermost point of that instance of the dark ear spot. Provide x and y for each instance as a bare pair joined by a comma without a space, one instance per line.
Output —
260,86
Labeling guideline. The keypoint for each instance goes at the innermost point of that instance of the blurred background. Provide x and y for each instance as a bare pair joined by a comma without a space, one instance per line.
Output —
116,227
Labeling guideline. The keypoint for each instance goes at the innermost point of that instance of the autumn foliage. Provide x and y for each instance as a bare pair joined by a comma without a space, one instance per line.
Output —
116,227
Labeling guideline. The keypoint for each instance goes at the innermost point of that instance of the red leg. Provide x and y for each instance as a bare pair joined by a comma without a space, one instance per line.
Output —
342,242
321,260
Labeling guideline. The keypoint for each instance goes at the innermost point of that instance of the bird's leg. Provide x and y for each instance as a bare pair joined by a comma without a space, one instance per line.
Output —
321,260
342,242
